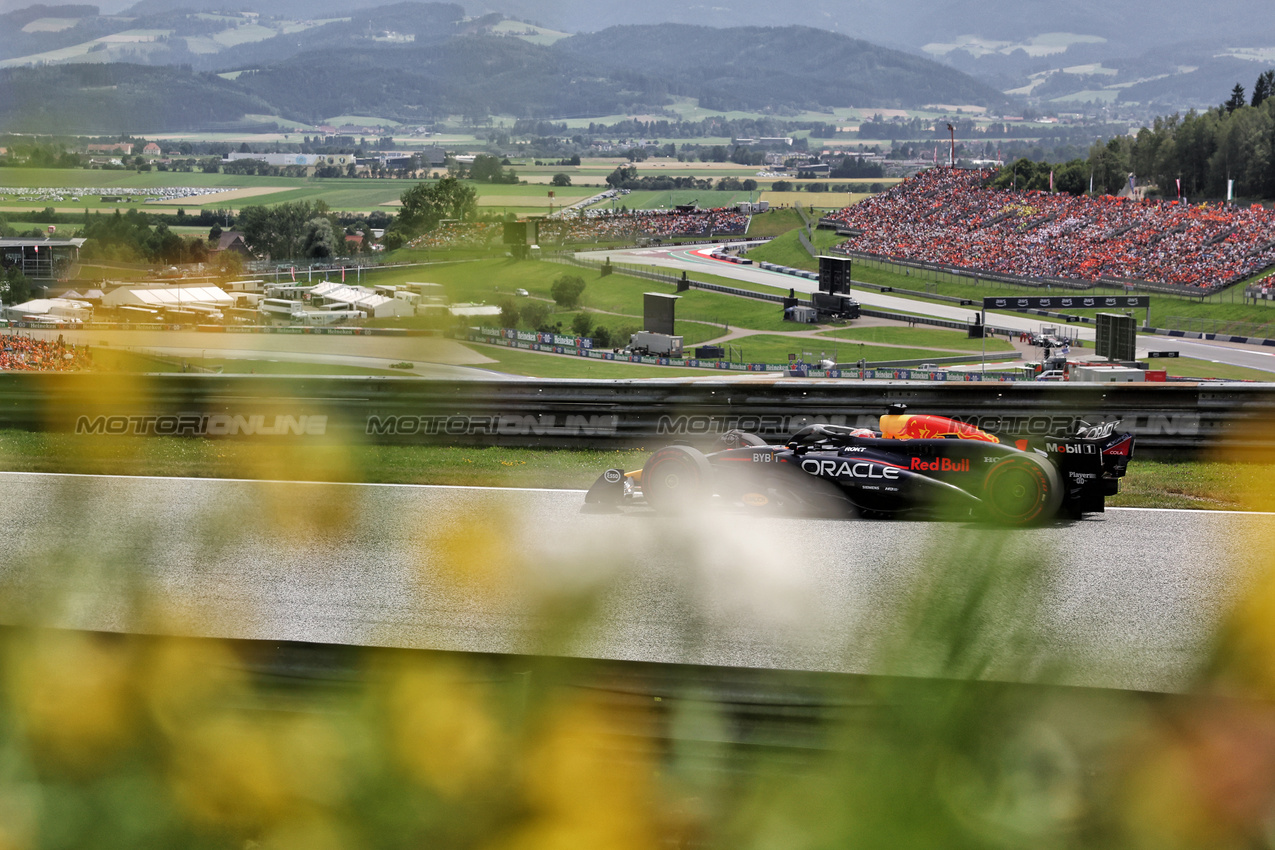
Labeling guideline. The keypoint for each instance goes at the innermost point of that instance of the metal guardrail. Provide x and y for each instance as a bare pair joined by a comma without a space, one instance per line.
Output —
770,721
610,414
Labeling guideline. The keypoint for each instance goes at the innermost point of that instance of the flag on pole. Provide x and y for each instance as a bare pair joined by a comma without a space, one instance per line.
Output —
1178,180
1131,183
294,273
1051,181
343,274
936,154
1091,182
1230,189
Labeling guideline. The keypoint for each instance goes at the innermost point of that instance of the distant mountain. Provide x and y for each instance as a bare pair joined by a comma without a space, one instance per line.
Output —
1058,52
1130,24
1002,42
774,67
418,62
117,98
66,34
624,69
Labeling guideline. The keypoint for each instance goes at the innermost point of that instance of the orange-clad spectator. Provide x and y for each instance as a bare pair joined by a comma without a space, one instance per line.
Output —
948,216
23,353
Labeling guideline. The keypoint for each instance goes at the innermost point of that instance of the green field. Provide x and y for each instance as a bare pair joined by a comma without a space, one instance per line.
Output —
917,337
786,249
774,222
772,348
1190,368
706,199
118,360
617,295
534,364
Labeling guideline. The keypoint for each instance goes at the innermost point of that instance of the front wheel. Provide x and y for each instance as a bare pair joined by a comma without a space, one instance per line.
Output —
1021,490
676,478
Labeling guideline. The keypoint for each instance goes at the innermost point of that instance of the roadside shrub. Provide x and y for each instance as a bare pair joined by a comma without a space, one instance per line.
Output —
567,289
508,313
535,314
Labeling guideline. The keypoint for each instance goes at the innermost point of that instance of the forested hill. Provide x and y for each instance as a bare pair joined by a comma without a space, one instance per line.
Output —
768,67
621,70
117,98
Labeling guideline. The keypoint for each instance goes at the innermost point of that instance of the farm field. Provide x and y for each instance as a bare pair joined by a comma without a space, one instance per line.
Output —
821,201
366,195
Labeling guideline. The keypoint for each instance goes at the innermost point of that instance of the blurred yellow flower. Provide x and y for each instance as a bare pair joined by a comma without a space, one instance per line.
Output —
250,771
588,782
441,728
182,679
72,693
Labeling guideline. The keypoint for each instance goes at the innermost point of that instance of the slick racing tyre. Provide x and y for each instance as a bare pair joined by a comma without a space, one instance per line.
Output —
676,478
1022,490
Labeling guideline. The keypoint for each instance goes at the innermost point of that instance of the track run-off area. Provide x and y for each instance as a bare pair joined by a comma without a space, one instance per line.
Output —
1129,599
675,259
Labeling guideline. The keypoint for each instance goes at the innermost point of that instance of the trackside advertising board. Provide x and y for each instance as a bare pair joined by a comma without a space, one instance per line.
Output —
1066,302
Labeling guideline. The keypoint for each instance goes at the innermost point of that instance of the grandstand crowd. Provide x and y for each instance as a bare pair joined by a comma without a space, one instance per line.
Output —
947,216
601,225
597,226
23,353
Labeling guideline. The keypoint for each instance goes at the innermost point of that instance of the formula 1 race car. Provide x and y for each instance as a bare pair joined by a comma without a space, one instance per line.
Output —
913,464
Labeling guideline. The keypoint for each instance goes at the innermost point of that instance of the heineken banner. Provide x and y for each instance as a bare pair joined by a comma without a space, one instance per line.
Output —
1067,302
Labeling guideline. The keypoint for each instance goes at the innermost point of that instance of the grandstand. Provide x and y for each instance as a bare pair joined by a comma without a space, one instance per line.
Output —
598,226
949,217
23,353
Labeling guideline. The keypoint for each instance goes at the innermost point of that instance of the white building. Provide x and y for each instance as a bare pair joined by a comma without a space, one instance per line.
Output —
207,301
333,294
289,312
309,160
51,309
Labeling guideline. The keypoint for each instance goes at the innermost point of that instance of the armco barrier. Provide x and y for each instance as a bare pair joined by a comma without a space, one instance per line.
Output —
610,414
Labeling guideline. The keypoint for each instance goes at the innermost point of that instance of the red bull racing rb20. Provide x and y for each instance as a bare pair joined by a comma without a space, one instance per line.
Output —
912,465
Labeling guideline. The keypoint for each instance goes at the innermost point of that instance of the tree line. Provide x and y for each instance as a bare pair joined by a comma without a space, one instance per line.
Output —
1200,151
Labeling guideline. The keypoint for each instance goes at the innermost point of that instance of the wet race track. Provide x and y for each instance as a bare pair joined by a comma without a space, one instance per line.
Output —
1127,599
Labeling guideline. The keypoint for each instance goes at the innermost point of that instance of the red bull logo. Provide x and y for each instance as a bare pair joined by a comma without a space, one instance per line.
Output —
940,464
923,427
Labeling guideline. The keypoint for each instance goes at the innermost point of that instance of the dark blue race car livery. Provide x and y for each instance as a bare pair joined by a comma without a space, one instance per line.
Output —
912,464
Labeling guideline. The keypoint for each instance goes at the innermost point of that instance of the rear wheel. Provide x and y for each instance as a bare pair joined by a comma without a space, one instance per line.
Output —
1021,490
676,478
